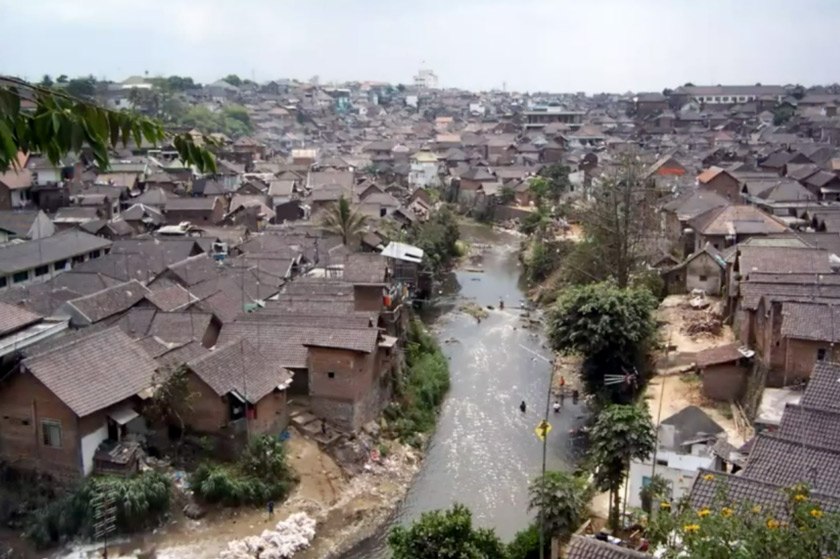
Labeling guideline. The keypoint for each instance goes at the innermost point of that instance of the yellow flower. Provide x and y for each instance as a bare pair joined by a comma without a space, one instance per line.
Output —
665,505
690,528
816,513
726,511
799,497
756,509
772,523
709,477
702,513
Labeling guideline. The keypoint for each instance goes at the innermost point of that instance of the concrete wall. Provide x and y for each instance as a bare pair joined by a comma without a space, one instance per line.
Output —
703,273
724,383
725,185
367,297
678,469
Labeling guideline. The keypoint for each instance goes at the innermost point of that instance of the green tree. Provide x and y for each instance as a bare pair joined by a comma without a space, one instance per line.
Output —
62,78
621,433
240,113
438,238
506,195
782,114
658,489
608,326
540,188
233,80
557,176
526,544
560,500
60,123
343,220
46,81
445,534
81,87
172,398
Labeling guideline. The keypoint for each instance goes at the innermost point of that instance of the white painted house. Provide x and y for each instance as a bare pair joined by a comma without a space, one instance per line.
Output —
423,170
684,446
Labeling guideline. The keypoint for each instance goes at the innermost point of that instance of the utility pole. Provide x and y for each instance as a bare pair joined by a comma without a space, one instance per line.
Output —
105,515
545,427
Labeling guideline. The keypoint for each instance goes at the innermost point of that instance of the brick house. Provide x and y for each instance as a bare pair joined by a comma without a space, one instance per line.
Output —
60,405
724,372
348,376
676,214
721,182
791,336
727,226
237,391
198,211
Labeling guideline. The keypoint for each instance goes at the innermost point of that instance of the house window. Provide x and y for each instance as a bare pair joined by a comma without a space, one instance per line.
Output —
42,270
331,374
703,278
78,259
60,265
821,354
94,254
51,433
382,212
3,281
20,277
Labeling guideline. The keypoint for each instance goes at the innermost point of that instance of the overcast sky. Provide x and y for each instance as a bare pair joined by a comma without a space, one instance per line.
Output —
555,45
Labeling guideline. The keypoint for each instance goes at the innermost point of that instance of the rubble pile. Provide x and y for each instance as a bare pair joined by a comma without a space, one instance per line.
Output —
705,323
288,537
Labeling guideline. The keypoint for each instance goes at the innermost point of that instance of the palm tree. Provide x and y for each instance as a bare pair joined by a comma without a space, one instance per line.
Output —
342,220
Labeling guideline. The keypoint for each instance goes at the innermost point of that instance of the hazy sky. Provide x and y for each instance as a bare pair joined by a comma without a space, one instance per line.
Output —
557,45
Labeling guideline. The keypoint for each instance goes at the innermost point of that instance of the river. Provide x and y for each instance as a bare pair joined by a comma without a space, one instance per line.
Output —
484,450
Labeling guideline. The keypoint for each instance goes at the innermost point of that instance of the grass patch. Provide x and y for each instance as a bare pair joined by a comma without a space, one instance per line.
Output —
260,475
419,392
141,501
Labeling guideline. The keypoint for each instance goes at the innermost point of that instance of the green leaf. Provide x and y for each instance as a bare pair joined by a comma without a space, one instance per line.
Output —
77,137
7,142
114,123
9,102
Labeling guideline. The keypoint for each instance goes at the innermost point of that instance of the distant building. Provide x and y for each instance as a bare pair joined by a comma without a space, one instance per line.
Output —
424,170
728,94
426,79
539,117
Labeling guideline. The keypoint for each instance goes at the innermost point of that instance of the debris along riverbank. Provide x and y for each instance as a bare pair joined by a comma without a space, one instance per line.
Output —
346,493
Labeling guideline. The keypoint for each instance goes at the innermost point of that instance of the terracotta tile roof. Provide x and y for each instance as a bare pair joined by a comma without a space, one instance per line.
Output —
782,260
823,390
190,204
180,355
107,302
807,321
16,180
811,426
13,318
583,547
180,327
195,269
94,372
62,246
239,367
361,269
695,203
786,462
722,489
171,298
718,355
740,220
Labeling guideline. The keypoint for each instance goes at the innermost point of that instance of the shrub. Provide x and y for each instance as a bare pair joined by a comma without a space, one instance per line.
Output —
261,474
141,502
421,389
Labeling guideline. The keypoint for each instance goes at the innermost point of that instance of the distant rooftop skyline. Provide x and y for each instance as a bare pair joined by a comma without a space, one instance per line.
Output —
529,45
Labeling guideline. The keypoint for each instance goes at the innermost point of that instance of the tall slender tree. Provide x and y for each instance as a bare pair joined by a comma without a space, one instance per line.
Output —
621,433
343,220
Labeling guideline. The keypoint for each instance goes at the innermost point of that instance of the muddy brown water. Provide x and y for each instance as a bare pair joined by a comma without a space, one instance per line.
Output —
484,450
